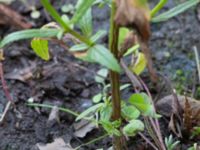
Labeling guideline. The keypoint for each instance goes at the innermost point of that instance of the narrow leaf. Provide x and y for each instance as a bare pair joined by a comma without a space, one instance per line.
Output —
79,47
89,110
85,23
103,56
82,7
175,11
98,35
28,34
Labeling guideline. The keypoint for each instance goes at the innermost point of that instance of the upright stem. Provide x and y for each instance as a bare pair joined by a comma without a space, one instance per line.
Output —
158,7
114,76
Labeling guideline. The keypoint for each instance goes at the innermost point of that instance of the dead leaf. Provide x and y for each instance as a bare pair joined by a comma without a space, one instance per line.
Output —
82,128
22,74
12,18
187,117
58,144
54,115
135,15
80,54
129,41
130,14
164,105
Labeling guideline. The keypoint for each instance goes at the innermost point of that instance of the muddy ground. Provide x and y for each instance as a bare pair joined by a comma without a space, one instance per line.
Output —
68,82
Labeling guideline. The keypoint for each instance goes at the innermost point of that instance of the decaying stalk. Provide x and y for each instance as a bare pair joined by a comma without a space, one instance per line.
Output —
114,76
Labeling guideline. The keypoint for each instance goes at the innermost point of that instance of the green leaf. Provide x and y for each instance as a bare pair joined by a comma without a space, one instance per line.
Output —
97,98
122,35
67,8
175,11
89,110
83,46
79,47
130,112
142,102
139,66
81,8
111,127
101,75
123,87
133,127
105,113
85,23
132,50
65,18
40,47
28,34
98,35
103,56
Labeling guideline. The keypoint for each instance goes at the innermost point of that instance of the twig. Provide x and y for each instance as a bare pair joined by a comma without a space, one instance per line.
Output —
135,82
155,124
4,85
5,111
92,141
148,141
197,60
81,67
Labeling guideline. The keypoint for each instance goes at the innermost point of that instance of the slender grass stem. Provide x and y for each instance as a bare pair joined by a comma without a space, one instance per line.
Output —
197,61
64,25
92,141
158,7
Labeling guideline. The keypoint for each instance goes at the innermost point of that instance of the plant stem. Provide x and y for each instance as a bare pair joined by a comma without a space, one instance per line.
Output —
197,60
158,7
64,25
114,76
92,141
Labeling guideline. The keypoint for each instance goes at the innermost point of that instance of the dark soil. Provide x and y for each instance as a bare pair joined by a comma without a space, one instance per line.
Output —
67,82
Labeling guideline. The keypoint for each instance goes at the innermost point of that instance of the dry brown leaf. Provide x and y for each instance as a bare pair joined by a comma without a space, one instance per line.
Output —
164,105
129,14
82,128
80,54
132,15
58,144
22,74
187,117
12,18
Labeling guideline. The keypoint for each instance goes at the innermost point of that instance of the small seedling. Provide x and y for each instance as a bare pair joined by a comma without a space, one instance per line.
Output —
170,143
111,112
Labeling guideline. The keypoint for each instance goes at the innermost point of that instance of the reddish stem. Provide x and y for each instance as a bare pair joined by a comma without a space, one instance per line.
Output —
4,85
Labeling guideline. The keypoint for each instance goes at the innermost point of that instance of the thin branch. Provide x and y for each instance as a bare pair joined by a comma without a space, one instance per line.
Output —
197,60
135,82
5,112
4,85
148,141
155,124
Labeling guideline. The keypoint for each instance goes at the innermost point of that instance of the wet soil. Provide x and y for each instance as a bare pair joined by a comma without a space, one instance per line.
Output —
67,82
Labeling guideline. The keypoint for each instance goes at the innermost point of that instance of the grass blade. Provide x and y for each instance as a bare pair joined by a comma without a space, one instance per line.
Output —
28,34
175,11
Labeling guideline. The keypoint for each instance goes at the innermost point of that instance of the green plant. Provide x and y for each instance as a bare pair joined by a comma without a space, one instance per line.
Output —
117,117
170,143
194,147
195,132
